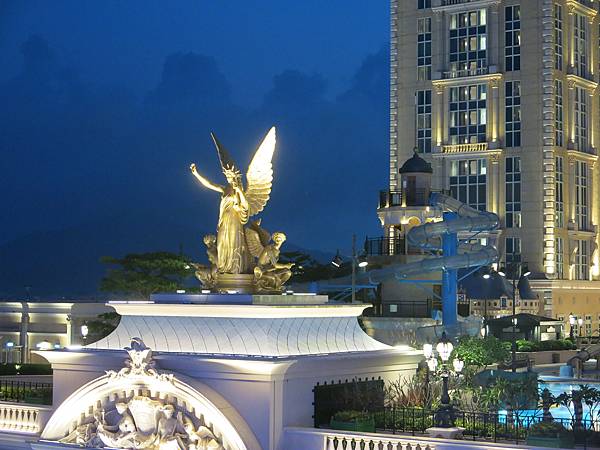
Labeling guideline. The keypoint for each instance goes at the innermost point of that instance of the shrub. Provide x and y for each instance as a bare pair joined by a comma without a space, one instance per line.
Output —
25,369
528,346
349,415
547,429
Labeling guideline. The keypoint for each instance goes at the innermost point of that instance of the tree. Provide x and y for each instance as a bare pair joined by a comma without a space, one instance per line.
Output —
481,353
103,325
142,274
307,269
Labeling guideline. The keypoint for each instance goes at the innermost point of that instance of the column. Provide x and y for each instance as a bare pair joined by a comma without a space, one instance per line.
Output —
439,115
445,116
493,109
23,333
570,112
493,35
571,184
494,183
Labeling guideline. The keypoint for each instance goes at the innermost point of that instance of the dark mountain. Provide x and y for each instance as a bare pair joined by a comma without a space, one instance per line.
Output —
66,263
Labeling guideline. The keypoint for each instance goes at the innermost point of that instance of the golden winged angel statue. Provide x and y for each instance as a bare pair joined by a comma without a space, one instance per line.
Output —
239,204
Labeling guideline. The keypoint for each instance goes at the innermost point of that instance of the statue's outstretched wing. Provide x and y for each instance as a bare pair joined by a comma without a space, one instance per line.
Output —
257,238
260,174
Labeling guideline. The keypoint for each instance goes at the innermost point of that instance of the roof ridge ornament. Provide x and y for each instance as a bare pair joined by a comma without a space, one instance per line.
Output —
140,363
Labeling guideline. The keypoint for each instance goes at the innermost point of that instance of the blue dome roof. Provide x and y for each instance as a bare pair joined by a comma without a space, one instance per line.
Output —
416,164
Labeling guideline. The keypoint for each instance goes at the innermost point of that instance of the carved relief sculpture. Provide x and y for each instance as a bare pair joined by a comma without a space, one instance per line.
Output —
140,421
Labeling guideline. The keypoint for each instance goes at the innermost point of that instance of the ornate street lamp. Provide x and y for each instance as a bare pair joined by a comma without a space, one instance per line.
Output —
513,269
444,416
84,332
572,324
580,323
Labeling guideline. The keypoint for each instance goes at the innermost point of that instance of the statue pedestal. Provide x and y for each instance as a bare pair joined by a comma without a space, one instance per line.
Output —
229,283
243,324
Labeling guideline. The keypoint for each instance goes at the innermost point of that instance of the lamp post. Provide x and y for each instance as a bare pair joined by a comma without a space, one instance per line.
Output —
572,325
513,269
580,324
84,332
358,260
444,416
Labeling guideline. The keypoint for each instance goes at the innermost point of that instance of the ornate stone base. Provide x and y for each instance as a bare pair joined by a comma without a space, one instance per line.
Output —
445,433
242,283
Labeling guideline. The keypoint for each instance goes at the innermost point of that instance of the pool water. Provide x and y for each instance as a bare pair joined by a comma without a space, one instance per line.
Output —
558,385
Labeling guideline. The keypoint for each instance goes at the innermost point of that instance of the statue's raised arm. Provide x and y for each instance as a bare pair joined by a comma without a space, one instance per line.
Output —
204,181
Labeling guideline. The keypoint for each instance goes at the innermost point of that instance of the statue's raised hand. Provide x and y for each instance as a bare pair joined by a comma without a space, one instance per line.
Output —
193,167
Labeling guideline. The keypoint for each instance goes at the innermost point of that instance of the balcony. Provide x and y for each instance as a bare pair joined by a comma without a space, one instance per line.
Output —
465,148
577,71
577,147
443,3
451,74
384,246
388,199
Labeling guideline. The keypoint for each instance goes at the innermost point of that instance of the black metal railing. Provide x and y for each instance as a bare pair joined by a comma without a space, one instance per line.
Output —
402,308
413,197
384,246
390,198
25,392
481,426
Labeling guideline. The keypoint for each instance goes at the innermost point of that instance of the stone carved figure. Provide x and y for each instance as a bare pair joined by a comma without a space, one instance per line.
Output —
122,435
238,204
208,274
201,438
141,422
140,362
270,275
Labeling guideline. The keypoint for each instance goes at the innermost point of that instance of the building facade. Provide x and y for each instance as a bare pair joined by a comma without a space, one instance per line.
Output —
501,97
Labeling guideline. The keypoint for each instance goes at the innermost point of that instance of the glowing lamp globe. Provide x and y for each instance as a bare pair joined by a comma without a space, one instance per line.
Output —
432,364
458,365
444,348
427,350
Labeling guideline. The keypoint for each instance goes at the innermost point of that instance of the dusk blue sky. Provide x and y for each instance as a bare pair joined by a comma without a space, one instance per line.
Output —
105,104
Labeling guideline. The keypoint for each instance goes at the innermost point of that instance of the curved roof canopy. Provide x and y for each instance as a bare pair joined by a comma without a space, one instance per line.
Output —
416,164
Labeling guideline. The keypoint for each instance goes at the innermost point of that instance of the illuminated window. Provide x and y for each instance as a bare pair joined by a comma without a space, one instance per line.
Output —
424,121
580,24
559,194
513,113
513,249
468,114
582,260
581,195
512,37
468,182
424,48
558,37
581,119
560,262
558,113
513,192
468,42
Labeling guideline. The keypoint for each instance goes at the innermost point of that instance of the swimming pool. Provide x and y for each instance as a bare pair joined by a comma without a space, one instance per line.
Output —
557,386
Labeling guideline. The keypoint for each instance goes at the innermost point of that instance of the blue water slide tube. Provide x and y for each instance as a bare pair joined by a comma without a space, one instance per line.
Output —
443,236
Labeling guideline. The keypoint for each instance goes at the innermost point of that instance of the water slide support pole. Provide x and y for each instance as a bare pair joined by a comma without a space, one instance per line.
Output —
449,276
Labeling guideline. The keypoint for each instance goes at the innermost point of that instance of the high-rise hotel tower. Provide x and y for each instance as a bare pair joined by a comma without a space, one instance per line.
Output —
501,97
